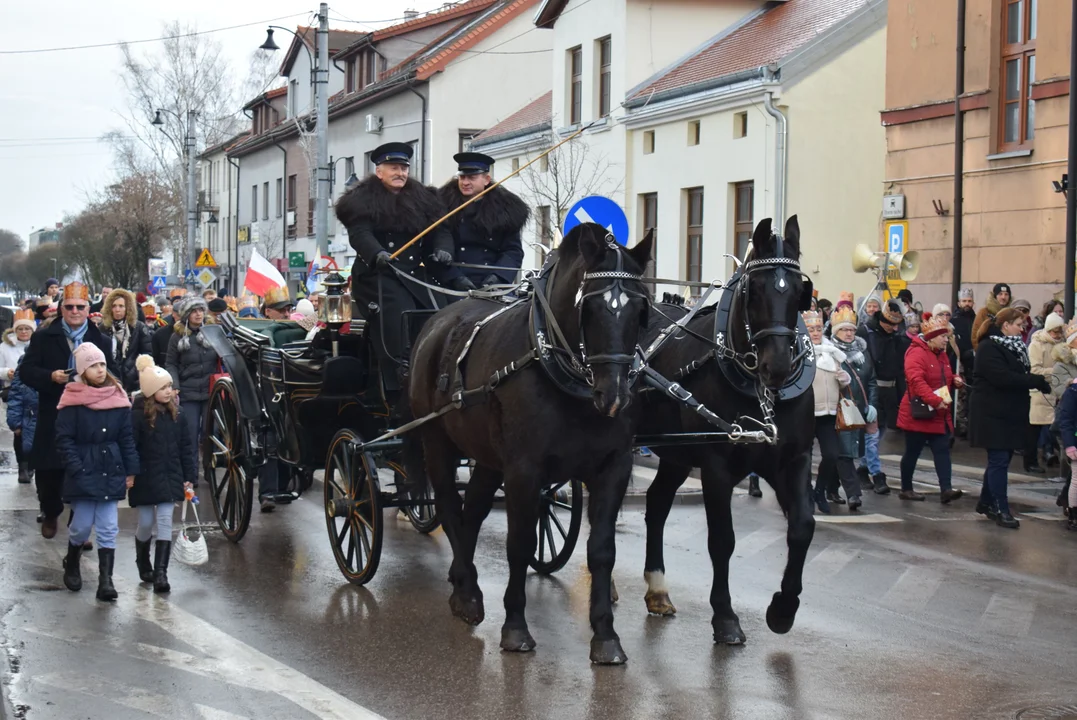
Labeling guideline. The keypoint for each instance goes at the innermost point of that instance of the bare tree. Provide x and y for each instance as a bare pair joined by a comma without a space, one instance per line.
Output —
10,244
570,172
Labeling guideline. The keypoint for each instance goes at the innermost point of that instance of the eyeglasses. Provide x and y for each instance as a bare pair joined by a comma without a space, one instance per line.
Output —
76,308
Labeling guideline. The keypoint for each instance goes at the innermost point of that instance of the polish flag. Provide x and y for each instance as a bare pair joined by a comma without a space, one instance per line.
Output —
261,275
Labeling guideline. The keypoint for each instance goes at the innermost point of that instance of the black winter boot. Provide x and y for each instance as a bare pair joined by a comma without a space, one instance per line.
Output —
72,571
142,560
753,486
24,474
160,566
879,480
1071,524
106,557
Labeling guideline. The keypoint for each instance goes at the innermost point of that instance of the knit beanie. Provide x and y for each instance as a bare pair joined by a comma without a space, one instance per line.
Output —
87,354
1053,322
1021,304
188,305
941,308
151,377
999,288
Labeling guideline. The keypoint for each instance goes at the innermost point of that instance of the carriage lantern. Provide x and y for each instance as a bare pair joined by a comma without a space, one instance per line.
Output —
336,305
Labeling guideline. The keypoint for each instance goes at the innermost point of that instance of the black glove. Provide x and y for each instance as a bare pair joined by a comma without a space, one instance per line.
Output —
442,257
462,283
1042,384
491,279
382,260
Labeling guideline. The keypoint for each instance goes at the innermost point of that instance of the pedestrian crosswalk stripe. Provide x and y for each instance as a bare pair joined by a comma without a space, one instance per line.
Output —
210,713
913,590
858,519
755,541
830,561
1007,616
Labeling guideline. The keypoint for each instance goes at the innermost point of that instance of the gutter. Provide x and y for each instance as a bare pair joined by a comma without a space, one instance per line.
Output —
513,134
233,255
781,158
422,135
284,210
731,79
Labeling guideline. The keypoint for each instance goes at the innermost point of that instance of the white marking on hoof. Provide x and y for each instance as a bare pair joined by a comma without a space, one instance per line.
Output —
656,582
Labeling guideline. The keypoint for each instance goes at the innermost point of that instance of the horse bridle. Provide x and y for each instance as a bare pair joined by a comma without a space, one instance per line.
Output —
782,267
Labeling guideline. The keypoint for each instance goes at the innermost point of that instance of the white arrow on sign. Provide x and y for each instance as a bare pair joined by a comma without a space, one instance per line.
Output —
583,217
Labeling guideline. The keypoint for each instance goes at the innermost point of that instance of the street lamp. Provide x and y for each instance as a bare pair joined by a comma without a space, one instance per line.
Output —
54,268
212,219
188,148
320,65
350,182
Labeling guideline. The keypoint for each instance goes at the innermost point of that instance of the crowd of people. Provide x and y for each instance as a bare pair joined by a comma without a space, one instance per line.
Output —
998,376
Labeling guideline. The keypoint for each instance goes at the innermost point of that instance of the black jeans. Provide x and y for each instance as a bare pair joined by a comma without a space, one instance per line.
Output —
889,402
50,487
940,451
20,457
831,463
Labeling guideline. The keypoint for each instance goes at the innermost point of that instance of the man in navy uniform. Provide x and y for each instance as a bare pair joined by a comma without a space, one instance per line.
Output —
382,213
486,232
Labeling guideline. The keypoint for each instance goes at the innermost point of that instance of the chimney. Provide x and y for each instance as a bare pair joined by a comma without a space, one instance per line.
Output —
410,15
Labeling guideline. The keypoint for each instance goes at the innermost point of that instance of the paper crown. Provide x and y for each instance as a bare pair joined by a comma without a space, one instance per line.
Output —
277,296
76,291
844,316
231,301
1071,331
891,313
933,325
26,314
812,317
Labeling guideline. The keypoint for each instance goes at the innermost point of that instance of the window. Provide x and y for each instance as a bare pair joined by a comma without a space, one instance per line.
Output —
693,132
694,246
575,87
515,164
740,125
648,142
290,197
371,66
605,56
254,203
293,98
265,200
743,202
1018,73
368,165
349,168
310,216
349,75
280,190
649,205
544,163
466,136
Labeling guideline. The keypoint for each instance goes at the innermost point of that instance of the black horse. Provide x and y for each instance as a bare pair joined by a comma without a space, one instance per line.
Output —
543,391
735,358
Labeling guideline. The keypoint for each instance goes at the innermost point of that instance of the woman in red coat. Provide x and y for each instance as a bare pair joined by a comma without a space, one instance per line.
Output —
931,381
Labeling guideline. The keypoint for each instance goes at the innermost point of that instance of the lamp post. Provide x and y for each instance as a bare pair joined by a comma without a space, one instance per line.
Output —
1071,172
188,148
349,183
320,81
54,268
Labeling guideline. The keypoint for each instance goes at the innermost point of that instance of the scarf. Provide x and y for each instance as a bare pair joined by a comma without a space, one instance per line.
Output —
1015,345
121,336
828,357
74,338
108,397
854,351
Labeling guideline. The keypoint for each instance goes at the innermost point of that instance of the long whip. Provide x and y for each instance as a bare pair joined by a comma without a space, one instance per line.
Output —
473,198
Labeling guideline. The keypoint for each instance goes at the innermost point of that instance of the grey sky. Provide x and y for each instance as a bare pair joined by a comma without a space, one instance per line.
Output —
78,93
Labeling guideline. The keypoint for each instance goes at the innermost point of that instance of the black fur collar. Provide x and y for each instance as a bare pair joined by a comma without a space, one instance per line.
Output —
410,211
497,211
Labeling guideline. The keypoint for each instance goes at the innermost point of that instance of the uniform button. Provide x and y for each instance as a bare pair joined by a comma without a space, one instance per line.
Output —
411,257
391,245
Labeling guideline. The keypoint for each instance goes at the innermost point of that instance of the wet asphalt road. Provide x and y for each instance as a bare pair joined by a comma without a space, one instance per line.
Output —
917,611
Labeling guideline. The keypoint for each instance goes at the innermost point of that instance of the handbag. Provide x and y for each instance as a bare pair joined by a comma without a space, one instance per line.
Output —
919,409
849,417
186,550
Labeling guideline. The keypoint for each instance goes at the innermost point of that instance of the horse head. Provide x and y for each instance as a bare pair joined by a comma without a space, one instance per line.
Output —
775,292
600,302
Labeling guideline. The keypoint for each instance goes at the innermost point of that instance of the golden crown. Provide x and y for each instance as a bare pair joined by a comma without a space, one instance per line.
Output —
933,326
844,315
76,291
277,295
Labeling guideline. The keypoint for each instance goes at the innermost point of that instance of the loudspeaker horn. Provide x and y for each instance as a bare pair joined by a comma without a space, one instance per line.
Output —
908,265
864,258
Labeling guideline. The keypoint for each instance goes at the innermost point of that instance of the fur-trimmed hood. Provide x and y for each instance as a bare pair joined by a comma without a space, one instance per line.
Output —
993,307
129,303
1063,353
9,337
498,211
411,210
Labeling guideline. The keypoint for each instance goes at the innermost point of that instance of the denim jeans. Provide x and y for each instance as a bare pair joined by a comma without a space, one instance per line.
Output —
89,515
996,479
151,516
940,451
871,452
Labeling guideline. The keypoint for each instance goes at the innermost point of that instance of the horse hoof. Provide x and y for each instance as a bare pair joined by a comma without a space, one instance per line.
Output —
659,604
781,613
607,652
468,609
728,632
516,640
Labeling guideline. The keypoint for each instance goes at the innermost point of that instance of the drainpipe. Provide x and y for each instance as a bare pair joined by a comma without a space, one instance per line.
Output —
781,157
233,255
422,136
284,191
1071,170
959,156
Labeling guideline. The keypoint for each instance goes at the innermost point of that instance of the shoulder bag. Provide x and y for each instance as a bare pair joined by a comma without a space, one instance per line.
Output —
849,416
921,410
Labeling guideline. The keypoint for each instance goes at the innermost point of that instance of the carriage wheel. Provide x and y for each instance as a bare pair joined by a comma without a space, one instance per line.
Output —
353,508
225,465
560,516
424,518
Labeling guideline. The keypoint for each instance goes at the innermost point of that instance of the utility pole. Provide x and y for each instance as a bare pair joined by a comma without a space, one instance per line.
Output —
1071,185
959,157
321,104
192,201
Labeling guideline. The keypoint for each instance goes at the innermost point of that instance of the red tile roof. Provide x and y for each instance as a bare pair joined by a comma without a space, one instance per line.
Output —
277,92
338,40
767,38
533,116
433,18
438,61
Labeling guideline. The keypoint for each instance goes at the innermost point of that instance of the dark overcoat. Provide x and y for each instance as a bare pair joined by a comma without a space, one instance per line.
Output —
190,363
487,232
98,452
165,456
49,351
998,407
159,343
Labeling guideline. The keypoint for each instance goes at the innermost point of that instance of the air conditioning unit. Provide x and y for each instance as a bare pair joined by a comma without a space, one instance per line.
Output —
373,124
291,218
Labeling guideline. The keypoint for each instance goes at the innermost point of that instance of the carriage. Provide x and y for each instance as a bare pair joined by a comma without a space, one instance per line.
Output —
286,405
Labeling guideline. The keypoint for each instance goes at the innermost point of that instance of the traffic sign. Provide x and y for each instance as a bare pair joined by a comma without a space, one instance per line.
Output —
157,282
205,260
189,277
297,260
601,210
206,277
896,236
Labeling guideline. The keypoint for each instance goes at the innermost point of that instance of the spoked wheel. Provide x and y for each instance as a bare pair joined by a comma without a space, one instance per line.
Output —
418,505
225,463
353,512
560,516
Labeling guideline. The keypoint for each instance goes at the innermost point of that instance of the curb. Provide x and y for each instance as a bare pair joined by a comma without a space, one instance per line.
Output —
683,497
